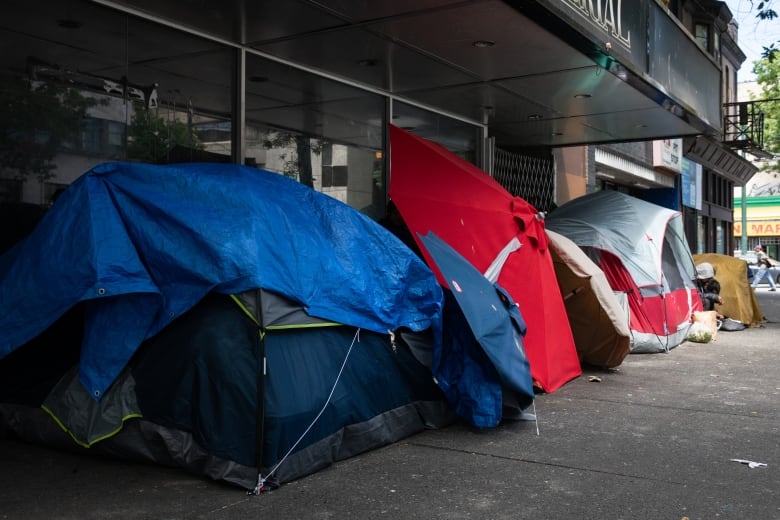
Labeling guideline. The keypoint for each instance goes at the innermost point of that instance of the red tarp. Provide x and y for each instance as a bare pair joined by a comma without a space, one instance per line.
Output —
435,190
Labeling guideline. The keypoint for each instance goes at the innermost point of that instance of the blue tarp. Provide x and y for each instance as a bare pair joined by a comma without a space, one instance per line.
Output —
476,369
149,242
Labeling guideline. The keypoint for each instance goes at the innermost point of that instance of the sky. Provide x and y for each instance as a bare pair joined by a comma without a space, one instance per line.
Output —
754,34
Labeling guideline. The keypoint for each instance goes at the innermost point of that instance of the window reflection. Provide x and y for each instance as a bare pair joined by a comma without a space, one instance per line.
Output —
92,84
458,137
321,133
100,88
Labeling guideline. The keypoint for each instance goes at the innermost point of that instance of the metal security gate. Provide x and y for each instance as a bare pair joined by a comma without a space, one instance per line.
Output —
528,177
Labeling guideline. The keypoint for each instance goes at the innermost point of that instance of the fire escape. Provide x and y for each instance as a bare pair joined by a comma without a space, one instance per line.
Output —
743,127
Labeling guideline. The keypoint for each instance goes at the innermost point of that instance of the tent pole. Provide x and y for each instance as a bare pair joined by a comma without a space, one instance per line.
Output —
260,413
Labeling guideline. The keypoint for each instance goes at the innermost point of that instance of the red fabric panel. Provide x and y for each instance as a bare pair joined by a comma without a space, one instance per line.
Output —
649,314
617,275
437,191
620,280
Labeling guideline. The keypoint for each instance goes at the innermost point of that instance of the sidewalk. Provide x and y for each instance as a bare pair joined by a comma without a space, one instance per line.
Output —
652,440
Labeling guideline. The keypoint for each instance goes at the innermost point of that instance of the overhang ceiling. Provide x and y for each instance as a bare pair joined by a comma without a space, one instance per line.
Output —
531,87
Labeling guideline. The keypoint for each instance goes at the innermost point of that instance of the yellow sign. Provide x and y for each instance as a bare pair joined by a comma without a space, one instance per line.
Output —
758,229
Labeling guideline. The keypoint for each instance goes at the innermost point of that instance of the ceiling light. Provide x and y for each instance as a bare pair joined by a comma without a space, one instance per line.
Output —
605,175
534,117
483,44
581,96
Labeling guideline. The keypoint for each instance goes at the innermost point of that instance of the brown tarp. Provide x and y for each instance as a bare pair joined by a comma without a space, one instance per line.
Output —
739,300
598,322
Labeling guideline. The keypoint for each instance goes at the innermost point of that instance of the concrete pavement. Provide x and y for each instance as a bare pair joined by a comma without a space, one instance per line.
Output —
652,440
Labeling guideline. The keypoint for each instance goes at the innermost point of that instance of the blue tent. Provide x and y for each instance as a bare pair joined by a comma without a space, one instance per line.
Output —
218,317
142,244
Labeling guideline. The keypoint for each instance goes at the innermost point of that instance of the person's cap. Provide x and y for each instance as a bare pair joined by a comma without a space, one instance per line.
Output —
704,270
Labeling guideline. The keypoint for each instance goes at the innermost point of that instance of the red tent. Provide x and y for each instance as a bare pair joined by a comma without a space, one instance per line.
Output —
642,250
435,190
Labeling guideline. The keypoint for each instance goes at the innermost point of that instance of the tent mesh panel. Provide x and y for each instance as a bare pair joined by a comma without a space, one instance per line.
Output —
530,178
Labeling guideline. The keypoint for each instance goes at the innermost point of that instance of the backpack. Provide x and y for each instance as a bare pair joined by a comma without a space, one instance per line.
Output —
732,325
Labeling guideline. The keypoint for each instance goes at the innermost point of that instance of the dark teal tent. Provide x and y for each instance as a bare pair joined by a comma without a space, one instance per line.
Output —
220,318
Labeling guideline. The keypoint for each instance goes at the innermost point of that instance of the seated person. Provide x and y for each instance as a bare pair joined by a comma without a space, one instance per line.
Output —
708,286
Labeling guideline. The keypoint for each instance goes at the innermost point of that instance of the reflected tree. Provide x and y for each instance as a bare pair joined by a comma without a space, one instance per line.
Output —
36,119
150,136
297,160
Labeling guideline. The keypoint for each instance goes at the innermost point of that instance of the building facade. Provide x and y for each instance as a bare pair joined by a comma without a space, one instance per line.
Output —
308,88
693,174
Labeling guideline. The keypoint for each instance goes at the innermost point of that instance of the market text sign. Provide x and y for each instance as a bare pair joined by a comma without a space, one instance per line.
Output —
758,229
606,14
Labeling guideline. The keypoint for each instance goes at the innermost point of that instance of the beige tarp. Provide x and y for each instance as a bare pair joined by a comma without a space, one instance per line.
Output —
739,300
598,322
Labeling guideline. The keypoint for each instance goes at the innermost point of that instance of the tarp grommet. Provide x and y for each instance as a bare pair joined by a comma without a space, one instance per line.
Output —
101,291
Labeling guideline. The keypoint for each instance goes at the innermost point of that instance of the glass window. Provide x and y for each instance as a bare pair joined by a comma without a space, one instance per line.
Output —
716,45
10,191
181,108
720,238
103,85
115,133
322,133
90,136
702,35
458,137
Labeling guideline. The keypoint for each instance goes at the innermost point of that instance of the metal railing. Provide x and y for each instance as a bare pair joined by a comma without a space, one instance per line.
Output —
743,127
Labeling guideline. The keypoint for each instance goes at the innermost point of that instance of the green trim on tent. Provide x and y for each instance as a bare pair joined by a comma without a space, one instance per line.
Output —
283,327
243,308
101,438
305,326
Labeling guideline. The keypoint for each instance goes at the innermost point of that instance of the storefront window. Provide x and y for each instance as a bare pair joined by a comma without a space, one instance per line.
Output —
458,137
322,133
102,85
